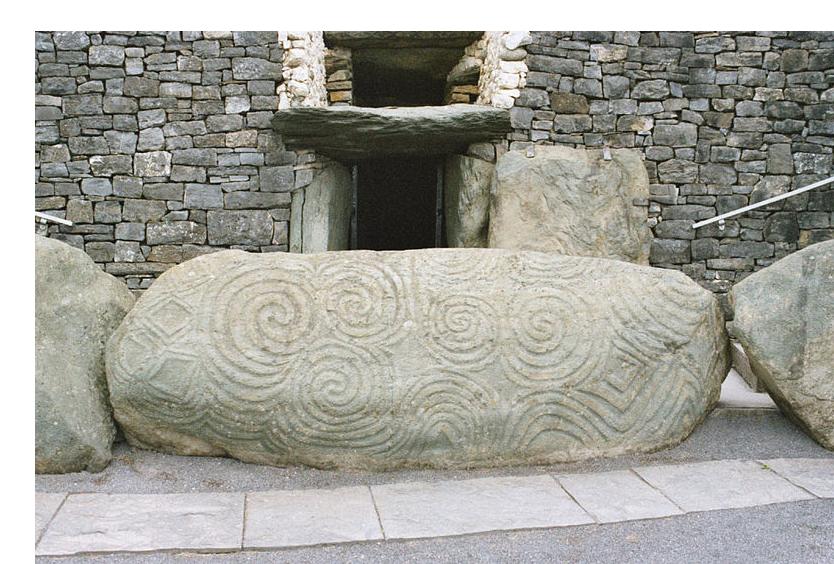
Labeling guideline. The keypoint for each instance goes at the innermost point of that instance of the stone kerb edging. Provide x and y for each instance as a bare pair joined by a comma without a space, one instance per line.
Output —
215,522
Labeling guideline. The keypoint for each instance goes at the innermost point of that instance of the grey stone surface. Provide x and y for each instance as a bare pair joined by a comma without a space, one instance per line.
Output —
239,227
175,232
722,484
571,201
326,211
736,535
400,39
309,517
419,509
136,523
483,357
349,132
46,505
784,318
466,191
154,163
250,68
77,308
617,496
813,474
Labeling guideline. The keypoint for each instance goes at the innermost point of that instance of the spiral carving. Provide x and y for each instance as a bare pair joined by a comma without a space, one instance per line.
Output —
552,344
261,318
339,396
383,360
462,330
362,300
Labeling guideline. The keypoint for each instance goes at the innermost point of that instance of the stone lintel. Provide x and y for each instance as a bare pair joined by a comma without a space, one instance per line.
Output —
400,39
355,133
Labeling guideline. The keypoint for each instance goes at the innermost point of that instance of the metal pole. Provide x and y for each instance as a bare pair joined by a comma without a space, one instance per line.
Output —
763,203
43,217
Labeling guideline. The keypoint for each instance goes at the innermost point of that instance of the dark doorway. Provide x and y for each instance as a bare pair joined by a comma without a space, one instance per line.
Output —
402,77
396,204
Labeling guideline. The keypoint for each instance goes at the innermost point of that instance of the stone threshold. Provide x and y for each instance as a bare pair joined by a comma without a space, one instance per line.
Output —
95,523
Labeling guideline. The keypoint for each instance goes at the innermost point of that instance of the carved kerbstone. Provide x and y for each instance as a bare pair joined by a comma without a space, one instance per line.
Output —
442,357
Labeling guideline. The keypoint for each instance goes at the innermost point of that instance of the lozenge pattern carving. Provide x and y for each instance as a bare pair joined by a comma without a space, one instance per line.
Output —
441,357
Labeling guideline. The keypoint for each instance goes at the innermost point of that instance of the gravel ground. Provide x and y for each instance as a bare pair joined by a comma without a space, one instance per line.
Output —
726,434
792,532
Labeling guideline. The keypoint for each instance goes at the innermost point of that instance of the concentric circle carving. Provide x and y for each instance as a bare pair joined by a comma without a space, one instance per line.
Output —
339,396
551,343
462,330
362,300
260,319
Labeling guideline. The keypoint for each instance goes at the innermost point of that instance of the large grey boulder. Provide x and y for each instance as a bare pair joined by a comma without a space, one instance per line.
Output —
784,318
573,202
77,308
466,200
441,357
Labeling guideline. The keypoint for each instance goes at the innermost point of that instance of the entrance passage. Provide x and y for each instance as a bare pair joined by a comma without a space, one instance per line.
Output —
397,204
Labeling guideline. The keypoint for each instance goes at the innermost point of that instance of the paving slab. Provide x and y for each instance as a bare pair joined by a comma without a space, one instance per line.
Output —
617,496
422,509
814,474
90,523
310,517
722,484
46,504
782,533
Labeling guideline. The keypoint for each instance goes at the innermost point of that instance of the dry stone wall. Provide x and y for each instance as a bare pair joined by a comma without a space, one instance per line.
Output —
723,120
157,145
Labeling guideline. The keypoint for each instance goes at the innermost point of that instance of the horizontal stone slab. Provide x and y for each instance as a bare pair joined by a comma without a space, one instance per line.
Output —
400,39
440,357
421,509
352,133
46,504
139,523
721,484
617,496
310,517
815,475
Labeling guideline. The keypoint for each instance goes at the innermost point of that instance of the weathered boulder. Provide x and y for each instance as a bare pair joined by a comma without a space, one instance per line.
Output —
573,202
784,318
77,308
466,200
441,357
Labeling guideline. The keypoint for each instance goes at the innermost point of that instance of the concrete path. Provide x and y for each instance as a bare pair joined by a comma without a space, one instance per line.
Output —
90,523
